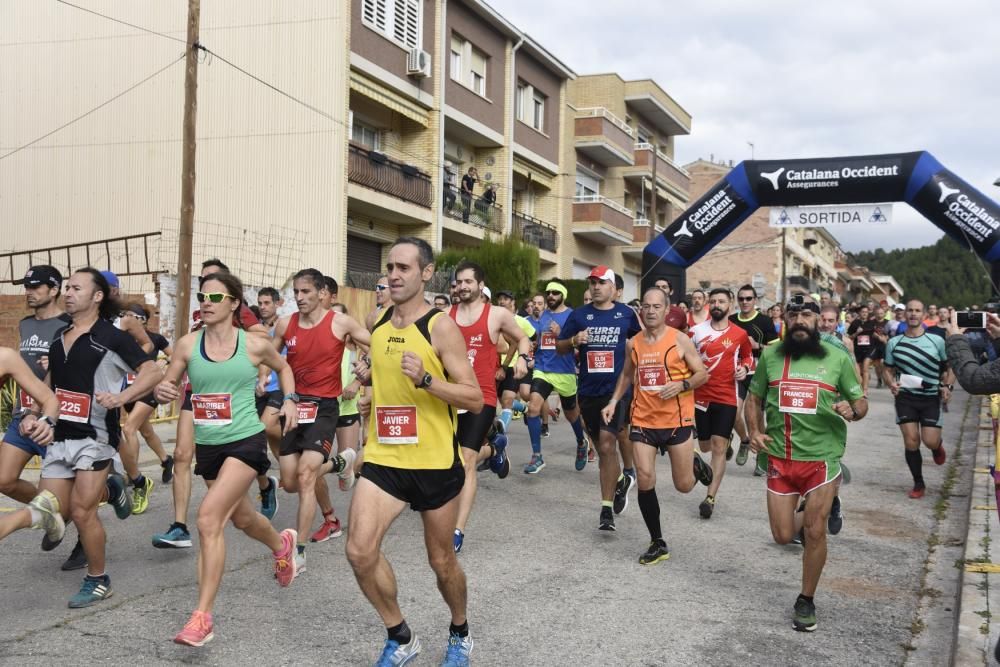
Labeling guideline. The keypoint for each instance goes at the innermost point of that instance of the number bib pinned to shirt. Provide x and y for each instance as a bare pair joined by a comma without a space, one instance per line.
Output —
25,401
652,378
864,341
73,406
396,424
601,361
212,409
307,412
798,397
548,341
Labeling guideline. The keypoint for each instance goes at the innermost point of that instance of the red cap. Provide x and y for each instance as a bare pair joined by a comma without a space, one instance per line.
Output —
602,273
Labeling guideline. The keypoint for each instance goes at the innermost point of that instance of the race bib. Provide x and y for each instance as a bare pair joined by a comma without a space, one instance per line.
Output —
73,406
212,409
907,381
307,412
396,424
25,401
652,378
701,405
601,361
129,379
548,341
864,341
798,397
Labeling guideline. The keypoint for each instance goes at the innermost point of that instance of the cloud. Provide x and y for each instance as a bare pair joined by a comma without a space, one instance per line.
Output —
804,79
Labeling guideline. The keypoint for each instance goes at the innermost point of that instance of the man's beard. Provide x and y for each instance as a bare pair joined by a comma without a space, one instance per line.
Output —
717,314
808,347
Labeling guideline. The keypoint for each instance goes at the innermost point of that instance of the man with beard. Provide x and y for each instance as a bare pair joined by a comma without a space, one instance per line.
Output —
916,371
725,350
798,383
553,372
698,313
482,325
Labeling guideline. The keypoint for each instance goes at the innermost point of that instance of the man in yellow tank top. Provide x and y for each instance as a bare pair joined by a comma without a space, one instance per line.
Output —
420,374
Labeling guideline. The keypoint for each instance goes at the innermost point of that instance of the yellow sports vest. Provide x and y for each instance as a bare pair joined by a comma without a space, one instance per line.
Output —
408,427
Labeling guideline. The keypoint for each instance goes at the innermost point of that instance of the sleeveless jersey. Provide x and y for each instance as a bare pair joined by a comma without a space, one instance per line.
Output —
722,351
656,364
482,352
408,427
222,398
348,407
314,355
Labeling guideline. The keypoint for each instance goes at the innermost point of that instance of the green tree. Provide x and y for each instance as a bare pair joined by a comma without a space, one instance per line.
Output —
509,263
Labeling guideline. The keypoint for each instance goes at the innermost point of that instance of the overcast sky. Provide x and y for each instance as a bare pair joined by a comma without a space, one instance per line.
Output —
804,79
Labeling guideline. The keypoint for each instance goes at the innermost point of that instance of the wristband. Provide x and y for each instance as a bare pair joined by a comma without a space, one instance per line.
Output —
48,420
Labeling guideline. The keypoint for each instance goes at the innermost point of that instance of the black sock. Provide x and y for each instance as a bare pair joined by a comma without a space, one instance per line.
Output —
139,482
178,524
400,633
807,598
460,630
650,508
915,461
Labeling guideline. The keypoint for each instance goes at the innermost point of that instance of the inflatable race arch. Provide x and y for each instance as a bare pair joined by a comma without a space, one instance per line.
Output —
964,213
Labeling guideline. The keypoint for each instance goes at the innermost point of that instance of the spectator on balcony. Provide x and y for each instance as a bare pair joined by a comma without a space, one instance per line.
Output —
449,185
486,202
468,185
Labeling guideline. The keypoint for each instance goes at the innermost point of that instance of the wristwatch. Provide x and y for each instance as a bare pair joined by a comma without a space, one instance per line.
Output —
292,397
426,381
48,420
526,357
686,385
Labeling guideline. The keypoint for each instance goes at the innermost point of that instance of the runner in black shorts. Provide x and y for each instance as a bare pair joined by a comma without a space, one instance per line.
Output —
760,329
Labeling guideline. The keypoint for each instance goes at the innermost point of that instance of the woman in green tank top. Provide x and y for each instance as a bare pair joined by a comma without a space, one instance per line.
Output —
349,419
221,361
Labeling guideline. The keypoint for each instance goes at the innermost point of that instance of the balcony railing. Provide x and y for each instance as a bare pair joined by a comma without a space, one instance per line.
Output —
378,171
601,112
535,232
474,210
596,209
665,167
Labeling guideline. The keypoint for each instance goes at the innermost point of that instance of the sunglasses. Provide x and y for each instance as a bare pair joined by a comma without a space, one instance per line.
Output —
745,298
213,297
794,308
379,288
554,293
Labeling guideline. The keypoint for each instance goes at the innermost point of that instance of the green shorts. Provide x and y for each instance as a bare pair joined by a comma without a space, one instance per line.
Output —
564,384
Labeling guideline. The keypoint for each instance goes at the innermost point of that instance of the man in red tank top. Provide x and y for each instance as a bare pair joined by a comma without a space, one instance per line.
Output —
314,340
482,326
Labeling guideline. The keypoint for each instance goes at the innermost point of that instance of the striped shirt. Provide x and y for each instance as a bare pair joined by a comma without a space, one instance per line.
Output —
918,361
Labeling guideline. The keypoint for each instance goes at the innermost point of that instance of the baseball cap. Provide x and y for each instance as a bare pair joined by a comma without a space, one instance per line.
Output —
899,306
136,310
43,274
505,292
111,278
602,273
487,293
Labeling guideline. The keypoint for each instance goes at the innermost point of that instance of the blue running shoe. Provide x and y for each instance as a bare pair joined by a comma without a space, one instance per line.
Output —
535,465
458,651
581,454
176,537
269,499
118,495
459,539
93,590
499,463
395,654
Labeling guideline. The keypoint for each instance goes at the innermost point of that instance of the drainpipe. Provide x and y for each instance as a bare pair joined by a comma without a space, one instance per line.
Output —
443,52
513,120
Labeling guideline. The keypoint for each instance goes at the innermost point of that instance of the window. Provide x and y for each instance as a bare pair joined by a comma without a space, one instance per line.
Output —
529,106
587,185
365,135
399,20
468,65
642,135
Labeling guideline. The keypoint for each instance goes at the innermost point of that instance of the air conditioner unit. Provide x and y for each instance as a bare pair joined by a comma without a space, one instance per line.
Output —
418,63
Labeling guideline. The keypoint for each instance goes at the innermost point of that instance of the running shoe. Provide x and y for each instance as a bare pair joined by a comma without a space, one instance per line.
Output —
760,468
591,455
939,455
93,590
800,537
140,496
554,414
346,474
300,562
535,465
459,648
702,471
49,545
197,631
581,454
607,519
656,552
804,615
176,537
327,530
625,484
118,495
707,507
50,520
917,492
168,470
285,560
483,465
395,654
269,498
729,450
77,558
499,463
835,521
545,430
459,540
743,454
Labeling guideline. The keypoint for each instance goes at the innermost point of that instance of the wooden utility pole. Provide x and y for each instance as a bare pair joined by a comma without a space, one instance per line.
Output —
185,235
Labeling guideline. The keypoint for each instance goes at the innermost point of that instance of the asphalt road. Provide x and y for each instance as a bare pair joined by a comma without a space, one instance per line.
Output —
545,586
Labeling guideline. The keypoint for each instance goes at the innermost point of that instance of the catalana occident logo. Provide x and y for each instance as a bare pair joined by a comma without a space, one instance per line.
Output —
817,177
969,215
713,209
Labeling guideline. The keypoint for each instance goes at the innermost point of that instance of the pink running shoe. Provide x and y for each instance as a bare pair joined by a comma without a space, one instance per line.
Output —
284,560
197,631
327,530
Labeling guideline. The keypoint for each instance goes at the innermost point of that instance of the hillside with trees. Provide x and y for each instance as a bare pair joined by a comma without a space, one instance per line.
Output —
944,273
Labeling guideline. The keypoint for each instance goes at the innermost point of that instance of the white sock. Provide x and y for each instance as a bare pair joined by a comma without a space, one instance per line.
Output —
36,517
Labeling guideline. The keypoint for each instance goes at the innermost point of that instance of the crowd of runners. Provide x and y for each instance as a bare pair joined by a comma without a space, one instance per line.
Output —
407,404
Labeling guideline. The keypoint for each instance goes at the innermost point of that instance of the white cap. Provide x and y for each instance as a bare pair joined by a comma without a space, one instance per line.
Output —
487,293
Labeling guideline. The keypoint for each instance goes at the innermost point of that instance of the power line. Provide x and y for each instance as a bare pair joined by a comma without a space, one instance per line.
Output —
99,106
111,18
